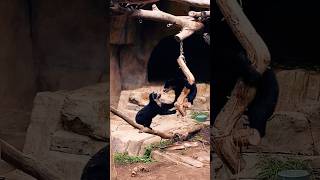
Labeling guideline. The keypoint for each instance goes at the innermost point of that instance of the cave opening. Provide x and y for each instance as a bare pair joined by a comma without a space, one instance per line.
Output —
162,64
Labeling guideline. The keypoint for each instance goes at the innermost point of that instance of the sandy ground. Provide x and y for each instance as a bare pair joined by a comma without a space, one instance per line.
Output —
163,170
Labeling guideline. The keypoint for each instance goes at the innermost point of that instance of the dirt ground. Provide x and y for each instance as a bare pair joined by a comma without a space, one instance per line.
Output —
164,170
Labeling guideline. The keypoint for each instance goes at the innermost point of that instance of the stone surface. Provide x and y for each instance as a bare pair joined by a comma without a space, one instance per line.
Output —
115,78
72,143
313,114
160,156
296,88
16,61
287,132
123,30
45,121
85,111
17,71
5,167
127,139
203,156
46,140
69,165
17,175
69,43
140,98
148,142
132,67
186,159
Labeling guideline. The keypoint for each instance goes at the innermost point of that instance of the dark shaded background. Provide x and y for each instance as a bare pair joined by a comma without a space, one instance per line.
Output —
289,28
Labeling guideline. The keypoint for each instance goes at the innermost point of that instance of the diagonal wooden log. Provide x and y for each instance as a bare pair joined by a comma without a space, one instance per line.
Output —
181,136
26,163
242,95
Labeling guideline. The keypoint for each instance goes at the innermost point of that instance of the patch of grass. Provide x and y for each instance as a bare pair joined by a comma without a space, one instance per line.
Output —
194,114
270,167
161,145
124,158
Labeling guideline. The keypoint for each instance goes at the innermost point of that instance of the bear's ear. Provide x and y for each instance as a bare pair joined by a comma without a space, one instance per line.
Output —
150,96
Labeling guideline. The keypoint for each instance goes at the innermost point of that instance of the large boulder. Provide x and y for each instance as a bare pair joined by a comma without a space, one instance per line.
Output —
85,111
46,139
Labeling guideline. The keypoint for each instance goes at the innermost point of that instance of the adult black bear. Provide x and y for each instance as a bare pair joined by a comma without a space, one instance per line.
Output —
164,57
177,84
98,167
146,114
230,63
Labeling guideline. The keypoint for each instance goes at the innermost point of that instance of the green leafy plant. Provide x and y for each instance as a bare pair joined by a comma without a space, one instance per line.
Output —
270,167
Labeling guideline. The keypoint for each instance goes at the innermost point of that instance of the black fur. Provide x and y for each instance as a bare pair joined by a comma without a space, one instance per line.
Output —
98,166
177,84
264,103
146,114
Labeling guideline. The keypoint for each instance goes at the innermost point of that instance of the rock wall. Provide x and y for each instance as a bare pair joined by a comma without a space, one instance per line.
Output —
46,46
17,70
298,88
70,42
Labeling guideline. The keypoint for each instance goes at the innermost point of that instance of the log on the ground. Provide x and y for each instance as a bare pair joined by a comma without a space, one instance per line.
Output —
26,163
242,95
181,136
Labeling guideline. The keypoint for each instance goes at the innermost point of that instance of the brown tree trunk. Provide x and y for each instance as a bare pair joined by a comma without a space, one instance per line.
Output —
242,95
